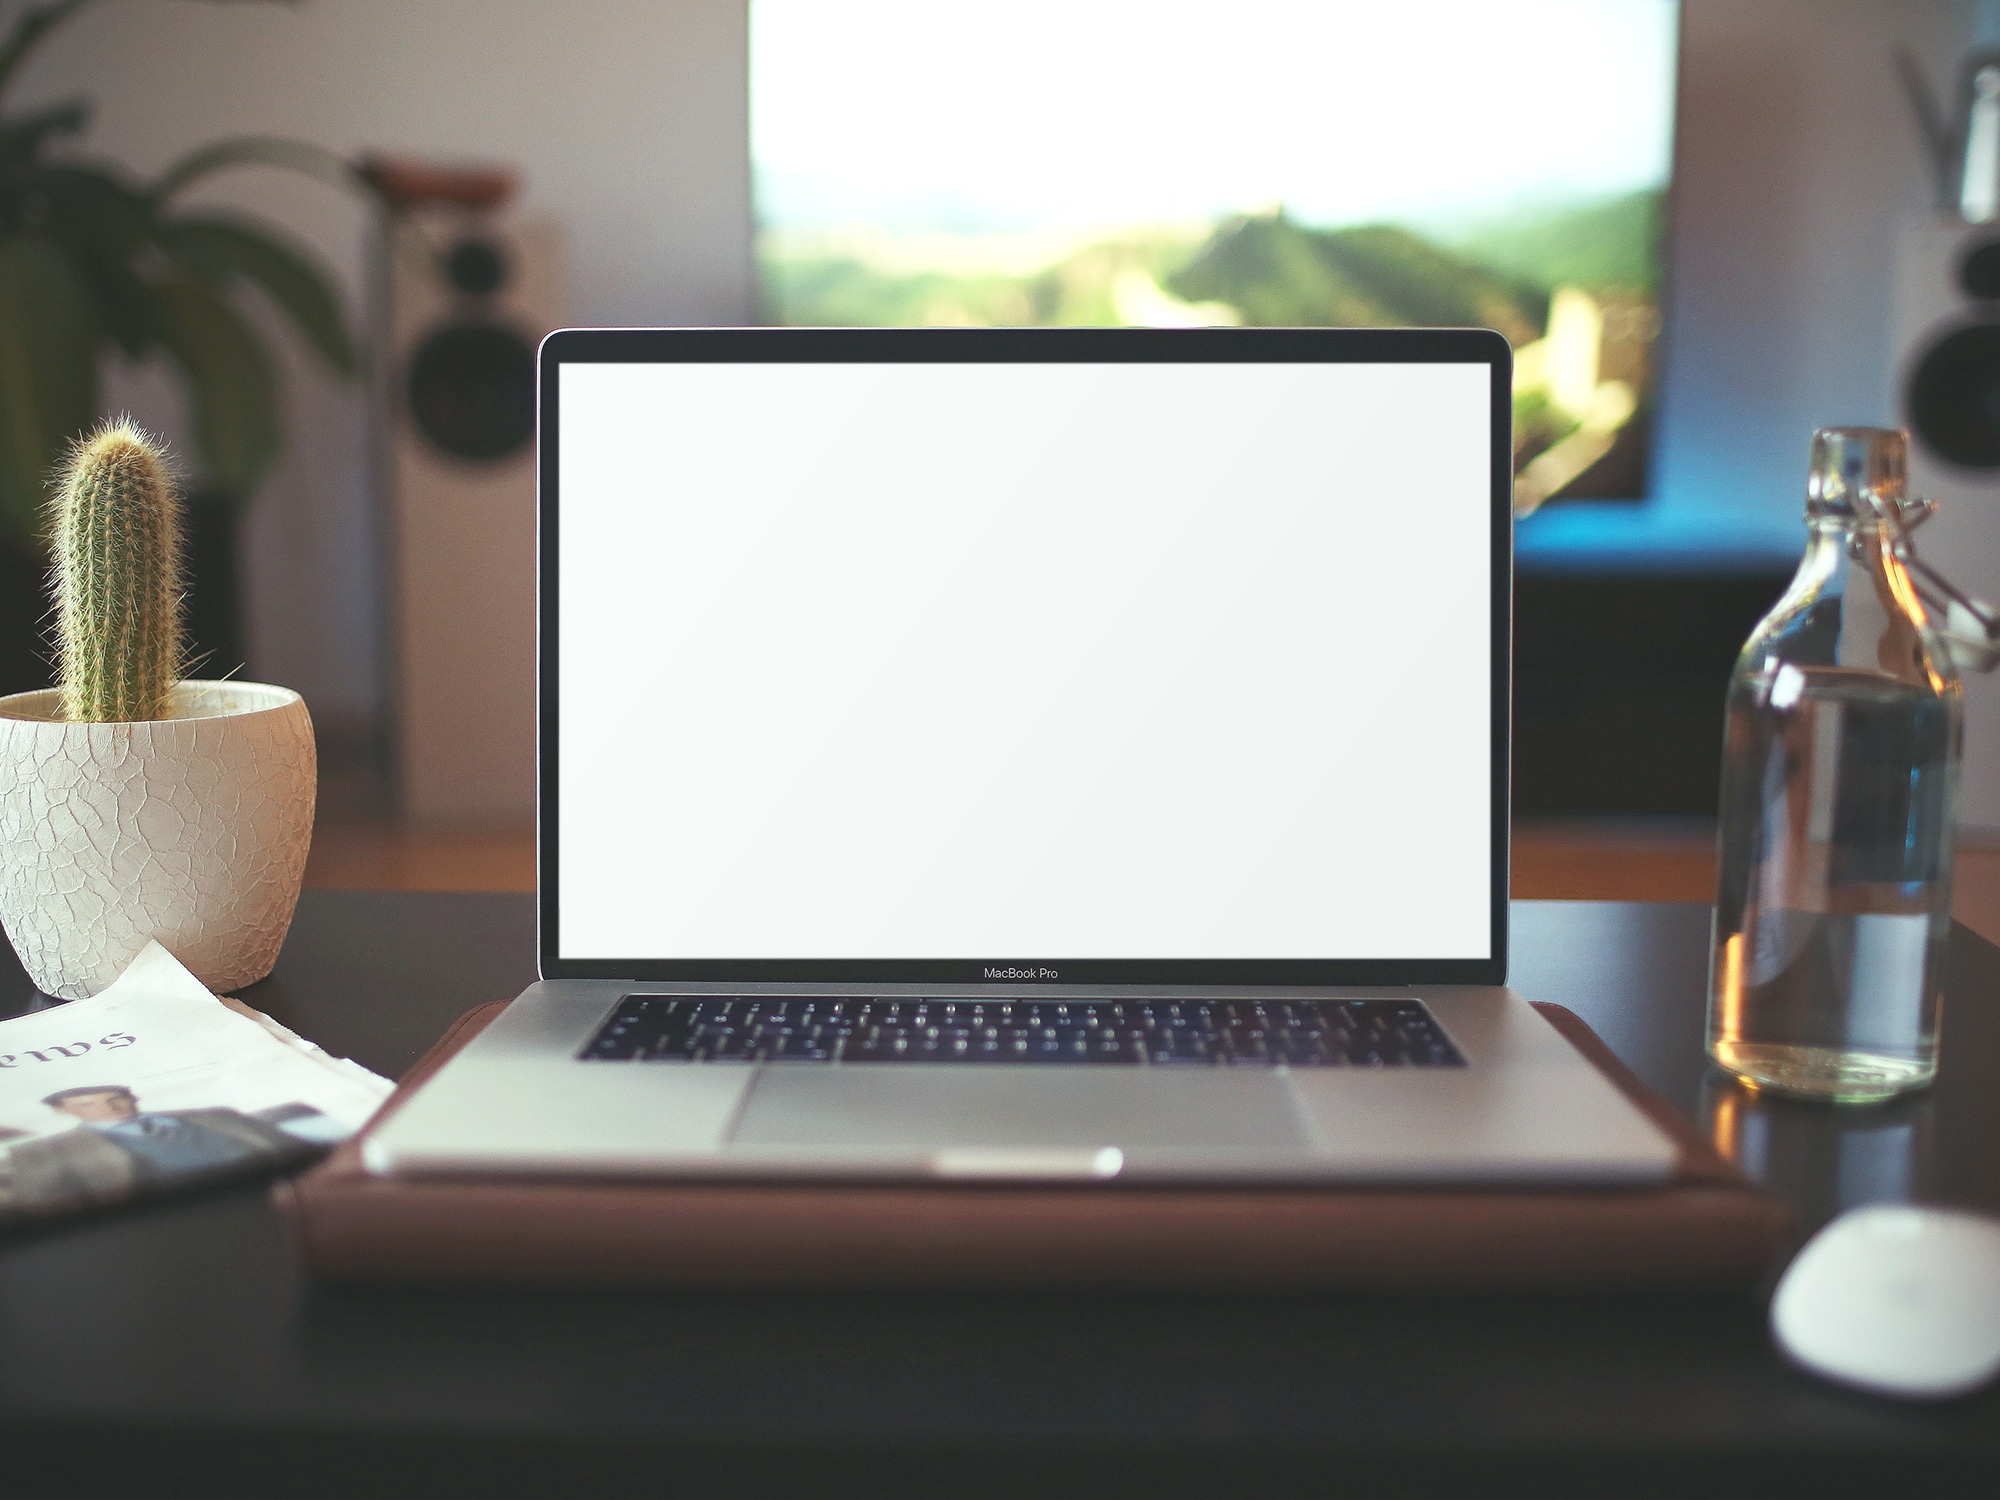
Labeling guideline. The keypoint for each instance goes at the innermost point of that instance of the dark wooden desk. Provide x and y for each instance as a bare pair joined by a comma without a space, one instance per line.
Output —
176,1349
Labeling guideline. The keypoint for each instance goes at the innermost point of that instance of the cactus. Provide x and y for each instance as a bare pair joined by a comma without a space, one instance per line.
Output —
117,578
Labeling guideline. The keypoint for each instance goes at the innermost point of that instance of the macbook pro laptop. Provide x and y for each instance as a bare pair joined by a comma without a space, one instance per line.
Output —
1057,755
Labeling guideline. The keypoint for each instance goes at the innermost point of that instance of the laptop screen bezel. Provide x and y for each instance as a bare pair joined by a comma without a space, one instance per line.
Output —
1029,345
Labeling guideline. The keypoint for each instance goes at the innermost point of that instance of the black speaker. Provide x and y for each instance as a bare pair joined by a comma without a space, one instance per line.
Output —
1945,339
470,294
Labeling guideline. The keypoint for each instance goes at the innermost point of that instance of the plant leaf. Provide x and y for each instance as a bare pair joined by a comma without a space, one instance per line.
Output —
23,135
256,150
102,225
48,374
235,399
34,23
220,250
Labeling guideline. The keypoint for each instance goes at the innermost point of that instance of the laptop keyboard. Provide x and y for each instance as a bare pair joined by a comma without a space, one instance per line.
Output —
1159,1033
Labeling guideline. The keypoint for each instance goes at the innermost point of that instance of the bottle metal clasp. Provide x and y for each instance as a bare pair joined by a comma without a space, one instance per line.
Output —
1970,627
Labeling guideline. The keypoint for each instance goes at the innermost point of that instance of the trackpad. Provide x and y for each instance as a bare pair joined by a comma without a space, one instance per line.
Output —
911,1105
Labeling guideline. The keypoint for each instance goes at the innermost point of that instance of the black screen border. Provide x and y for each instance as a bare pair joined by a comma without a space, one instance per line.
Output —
1022,345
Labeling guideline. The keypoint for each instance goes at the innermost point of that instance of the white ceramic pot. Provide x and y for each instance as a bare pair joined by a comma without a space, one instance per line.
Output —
191,829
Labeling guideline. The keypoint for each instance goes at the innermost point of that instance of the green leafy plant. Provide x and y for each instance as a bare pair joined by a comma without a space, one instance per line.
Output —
118,578
92,259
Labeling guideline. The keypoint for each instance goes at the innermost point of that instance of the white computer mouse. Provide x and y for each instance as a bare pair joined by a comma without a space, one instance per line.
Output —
1896,1300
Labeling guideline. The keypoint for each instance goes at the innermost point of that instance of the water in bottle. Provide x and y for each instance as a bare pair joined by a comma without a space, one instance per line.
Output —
1839,774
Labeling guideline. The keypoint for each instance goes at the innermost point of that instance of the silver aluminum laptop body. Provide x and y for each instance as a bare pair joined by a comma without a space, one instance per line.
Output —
954,844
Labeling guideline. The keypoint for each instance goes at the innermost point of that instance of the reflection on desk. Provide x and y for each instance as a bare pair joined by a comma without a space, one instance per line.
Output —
1825,1159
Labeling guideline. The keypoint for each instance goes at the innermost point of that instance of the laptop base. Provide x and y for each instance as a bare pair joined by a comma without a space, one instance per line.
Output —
1523,1107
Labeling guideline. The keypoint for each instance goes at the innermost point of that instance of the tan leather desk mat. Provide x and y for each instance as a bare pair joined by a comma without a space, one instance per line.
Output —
1707,1224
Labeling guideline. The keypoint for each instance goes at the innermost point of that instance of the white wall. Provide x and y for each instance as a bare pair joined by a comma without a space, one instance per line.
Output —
628,119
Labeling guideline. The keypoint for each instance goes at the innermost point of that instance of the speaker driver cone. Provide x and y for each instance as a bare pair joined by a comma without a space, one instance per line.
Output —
1953,399
472,391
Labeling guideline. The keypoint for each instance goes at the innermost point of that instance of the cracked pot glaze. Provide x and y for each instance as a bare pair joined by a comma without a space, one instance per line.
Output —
191,829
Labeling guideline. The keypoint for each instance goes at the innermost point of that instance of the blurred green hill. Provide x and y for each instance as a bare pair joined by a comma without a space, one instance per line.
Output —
843,292
1614,243
1278,273
1272,270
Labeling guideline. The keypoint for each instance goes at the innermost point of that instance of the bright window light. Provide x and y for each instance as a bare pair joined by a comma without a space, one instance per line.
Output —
1501,163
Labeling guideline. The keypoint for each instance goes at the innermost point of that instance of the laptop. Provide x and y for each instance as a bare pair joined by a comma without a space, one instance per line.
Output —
1051,755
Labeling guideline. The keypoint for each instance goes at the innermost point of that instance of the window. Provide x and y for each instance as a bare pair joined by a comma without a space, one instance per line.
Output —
1492,162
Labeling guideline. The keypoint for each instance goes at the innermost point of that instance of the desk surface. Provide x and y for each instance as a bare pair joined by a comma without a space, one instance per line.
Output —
176,1348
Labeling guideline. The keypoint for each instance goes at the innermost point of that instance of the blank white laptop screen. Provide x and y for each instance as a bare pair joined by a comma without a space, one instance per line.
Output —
1025,661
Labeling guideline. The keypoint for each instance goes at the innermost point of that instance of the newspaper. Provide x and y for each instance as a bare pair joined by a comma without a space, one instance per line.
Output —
154,1084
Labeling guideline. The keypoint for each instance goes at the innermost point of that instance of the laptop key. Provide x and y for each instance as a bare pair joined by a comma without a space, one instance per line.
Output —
800,1047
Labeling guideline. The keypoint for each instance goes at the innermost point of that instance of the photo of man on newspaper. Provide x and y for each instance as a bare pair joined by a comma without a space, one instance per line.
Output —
126,1149
153,1085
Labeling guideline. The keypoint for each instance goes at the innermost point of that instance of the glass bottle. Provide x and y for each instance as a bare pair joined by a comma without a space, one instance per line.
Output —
1839,777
